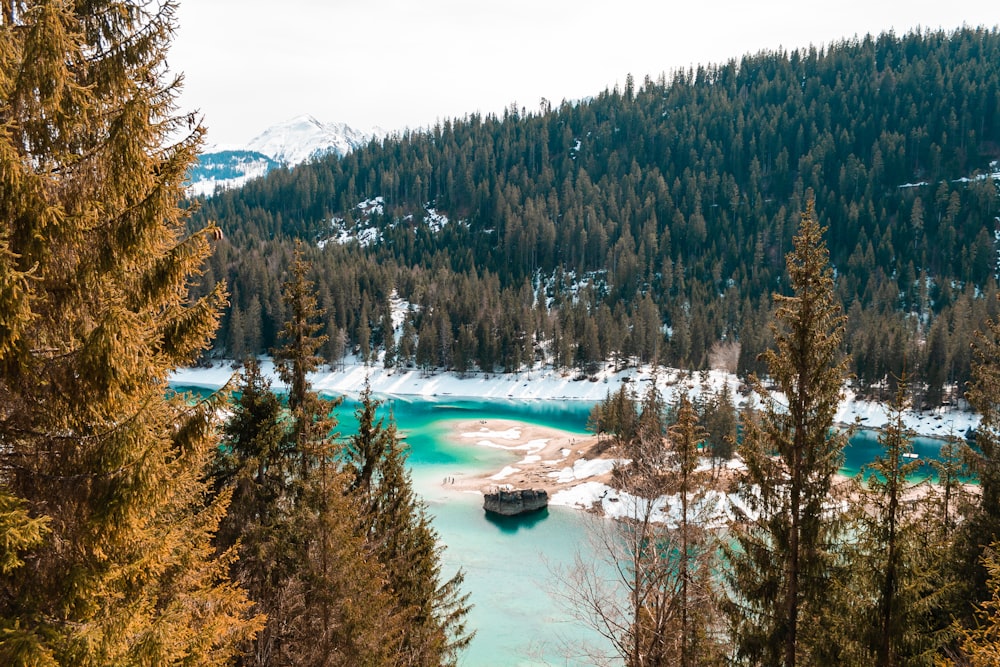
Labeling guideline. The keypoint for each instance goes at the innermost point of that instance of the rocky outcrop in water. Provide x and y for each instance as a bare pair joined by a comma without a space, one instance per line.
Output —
510,503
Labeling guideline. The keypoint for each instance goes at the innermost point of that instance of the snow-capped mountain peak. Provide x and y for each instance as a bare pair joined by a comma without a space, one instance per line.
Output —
286,144
304,137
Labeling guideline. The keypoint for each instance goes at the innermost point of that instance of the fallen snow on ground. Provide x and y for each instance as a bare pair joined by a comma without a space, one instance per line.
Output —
584,468
543,383
548,384
713,509
513,433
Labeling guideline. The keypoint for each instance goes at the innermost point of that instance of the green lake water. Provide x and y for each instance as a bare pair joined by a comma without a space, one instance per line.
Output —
864,447
508,565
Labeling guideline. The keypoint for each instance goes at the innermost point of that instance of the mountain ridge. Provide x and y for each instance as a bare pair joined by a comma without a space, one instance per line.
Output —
285,144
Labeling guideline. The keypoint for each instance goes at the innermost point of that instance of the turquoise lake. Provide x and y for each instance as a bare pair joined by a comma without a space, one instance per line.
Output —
508,565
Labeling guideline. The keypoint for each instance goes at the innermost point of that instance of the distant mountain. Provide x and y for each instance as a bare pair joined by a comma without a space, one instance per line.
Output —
287,144
228,169
304,137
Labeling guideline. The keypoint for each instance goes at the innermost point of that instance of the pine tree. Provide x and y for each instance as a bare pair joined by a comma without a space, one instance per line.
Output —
719,417
236,335
298,357
396,524
340,612
595,418
694,555
779,565
892,575
407,343
108,556
981,526
935,367
254,464
302,341
253,457
618,416
331,608
646,447
389,341
952,500
980,644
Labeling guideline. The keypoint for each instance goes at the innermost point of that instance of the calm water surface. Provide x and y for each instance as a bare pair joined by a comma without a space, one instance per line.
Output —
508,565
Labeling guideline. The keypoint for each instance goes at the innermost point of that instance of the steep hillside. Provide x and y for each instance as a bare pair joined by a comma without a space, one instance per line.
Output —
652,221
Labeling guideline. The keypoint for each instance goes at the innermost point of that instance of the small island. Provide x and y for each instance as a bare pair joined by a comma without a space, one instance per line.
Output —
514,502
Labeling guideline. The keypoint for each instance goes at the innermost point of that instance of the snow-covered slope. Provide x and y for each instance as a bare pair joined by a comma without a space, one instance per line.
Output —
304,137
227,169
285,144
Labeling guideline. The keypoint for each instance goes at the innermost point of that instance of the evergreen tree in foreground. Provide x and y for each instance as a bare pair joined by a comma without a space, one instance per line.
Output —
982,525
695,555
334,545
396,524
108,557
894,583
780,562
333,607
255,463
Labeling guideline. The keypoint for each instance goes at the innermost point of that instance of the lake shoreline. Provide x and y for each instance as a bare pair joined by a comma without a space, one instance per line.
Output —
542,383
574,470
541,457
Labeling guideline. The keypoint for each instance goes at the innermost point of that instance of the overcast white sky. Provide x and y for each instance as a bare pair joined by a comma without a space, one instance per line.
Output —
249,64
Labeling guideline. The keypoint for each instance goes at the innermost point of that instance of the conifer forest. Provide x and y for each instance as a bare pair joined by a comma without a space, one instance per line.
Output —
813,221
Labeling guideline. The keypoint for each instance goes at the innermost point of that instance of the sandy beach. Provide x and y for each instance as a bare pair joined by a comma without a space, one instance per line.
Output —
566,465
540,457
569,467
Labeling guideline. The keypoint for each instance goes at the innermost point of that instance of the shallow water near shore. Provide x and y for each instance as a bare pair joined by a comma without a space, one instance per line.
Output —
508,563
864,447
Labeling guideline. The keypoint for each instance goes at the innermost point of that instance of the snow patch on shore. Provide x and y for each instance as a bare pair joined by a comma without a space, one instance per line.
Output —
509,434
584,468
714,508
543,383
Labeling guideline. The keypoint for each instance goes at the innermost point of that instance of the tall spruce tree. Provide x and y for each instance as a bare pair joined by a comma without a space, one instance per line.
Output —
981,527
778,564
332,607
299,355
108,556
396,524
695,562
255,464
892,580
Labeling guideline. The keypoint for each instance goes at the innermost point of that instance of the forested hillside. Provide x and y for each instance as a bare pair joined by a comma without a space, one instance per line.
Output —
652,222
